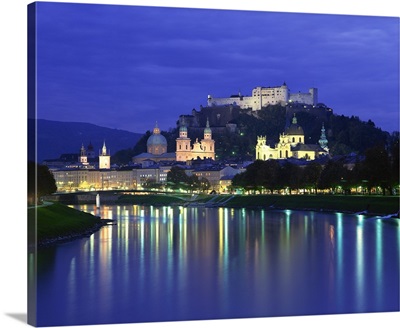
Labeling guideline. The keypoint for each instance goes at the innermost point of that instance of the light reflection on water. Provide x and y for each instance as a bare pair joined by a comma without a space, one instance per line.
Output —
177,263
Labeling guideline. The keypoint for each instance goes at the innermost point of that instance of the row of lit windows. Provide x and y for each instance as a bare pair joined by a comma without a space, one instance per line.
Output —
146,175
200,174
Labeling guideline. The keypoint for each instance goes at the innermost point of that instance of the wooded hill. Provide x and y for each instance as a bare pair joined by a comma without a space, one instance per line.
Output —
345,134
56,138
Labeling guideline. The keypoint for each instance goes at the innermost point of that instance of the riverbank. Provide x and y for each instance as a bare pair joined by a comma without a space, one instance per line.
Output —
58,223
369,205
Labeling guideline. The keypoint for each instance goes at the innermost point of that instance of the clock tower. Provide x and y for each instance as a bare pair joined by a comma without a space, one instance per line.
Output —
104,158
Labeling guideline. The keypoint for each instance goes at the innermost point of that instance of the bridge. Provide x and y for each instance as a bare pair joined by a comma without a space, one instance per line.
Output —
106,196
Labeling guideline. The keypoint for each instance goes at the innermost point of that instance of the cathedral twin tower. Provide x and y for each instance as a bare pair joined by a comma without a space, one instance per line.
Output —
291,145
203,149
185,151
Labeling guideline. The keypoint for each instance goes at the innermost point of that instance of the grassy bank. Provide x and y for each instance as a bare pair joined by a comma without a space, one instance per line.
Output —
58,222
379,205
347,204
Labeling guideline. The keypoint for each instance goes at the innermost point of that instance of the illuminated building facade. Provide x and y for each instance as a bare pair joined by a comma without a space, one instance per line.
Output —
291,144
156,149
90,179
104,158
264,96
201,149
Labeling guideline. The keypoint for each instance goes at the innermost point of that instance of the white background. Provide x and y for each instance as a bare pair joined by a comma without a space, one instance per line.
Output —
13,100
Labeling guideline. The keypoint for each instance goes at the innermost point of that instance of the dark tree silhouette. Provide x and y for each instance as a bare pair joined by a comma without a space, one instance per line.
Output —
394,162
177,178
333,175
290,176
41,182
377,168
311,176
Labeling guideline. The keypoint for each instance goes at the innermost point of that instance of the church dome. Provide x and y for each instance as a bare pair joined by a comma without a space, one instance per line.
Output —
294,129
156,139
156,144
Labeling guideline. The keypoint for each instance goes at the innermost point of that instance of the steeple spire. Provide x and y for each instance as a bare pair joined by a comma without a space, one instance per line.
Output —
294,120
83,151
207,130
323,142
104,149
104,158
83,156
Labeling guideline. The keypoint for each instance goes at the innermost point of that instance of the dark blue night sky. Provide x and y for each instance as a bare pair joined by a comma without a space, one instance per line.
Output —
126,67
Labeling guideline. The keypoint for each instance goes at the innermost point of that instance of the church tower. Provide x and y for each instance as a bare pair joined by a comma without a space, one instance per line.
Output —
83,157
90,153
323,142
208,144
104,158
183,149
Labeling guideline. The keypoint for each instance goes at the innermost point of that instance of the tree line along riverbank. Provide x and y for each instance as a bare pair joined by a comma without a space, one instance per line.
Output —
372,205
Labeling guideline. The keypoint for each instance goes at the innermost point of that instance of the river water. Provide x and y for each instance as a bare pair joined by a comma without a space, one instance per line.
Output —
176,263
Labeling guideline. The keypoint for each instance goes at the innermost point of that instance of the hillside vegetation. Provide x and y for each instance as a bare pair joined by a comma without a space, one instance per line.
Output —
345,134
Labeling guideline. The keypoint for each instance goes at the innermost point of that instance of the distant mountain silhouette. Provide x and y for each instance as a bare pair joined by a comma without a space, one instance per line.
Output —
55,138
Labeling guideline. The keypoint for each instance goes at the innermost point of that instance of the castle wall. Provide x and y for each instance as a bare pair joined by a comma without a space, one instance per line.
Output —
264,96
242,101
309,98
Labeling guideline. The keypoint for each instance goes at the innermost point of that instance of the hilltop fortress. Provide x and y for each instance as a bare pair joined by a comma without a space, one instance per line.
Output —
222,112
264,96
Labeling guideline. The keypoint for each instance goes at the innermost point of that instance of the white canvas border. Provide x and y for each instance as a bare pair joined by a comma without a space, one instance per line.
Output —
13,160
